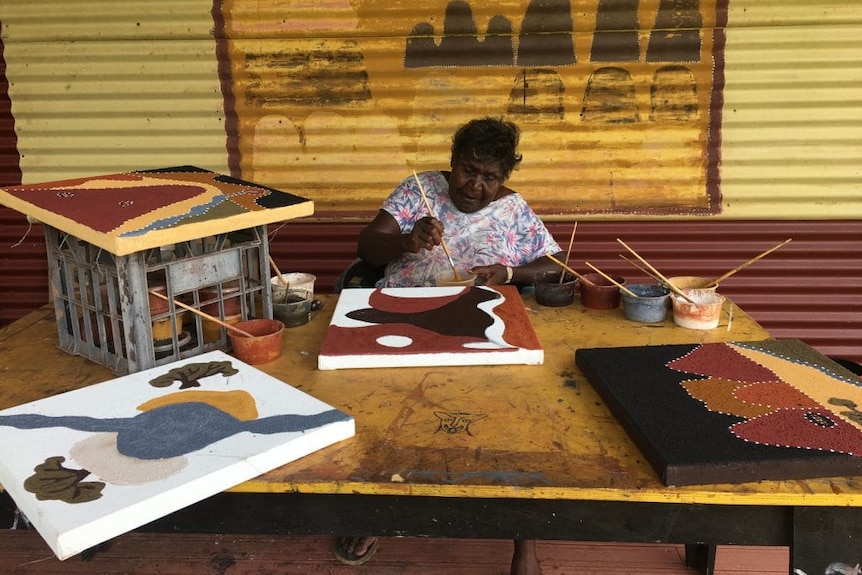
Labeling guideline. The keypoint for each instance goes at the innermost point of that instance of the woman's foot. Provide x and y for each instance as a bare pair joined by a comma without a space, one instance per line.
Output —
524,560
355,550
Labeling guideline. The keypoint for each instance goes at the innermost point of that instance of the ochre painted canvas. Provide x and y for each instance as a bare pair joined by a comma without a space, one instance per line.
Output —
91,464
733,412
429,326
129,212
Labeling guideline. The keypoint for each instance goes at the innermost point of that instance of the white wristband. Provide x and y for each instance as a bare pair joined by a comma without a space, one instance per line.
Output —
509,273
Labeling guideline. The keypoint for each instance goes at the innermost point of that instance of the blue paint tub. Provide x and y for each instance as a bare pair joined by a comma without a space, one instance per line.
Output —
651,304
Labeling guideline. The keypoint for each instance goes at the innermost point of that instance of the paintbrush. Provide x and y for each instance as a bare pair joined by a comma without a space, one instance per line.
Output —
281,278
455,274
723,277
667,282
570,270
612,280
203,314
569,251
641,268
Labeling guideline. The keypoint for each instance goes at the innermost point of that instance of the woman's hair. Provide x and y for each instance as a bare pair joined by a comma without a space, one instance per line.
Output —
488,140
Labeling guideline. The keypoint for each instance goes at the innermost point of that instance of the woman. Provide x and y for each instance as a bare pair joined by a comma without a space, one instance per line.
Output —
489,230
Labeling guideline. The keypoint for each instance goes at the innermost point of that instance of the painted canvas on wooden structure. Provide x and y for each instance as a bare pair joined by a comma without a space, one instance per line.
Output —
91,464
129,212
429,326
733,412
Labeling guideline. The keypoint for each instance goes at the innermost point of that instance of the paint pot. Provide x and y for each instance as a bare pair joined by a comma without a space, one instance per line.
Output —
550,292
704,313
295,281
232,304
212,330
602,294
295,310
158,306
650,306
691,282
463,279
263,347
162,327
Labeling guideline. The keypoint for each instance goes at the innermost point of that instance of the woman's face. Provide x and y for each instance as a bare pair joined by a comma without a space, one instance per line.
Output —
473,185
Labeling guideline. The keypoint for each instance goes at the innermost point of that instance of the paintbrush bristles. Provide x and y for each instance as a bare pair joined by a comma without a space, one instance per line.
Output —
455,275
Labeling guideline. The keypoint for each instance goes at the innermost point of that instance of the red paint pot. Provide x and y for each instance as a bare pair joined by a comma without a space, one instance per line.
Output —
603,294
263,347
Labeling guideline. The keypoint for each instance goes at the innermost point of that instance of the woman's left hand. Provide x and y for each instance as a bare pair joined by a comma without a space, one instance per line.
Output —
490,275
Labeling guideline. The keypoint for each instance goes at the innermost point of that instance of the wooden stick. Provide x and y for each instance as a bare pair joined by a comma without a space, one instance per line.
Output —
455,274
281,278
667,282
203,314
641,268
723,277
612,280
569,251
570,270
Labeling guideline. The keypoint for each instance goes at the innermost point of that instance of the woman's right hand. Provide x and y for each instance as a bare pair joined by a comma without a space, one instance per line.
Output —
425,235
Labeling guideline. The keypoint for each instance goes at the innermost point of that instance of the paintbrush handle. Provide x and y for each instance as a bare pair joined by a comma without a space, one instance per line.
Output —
203,314
641,268
277,272
455,274
746,264
667,282
612,280
570,270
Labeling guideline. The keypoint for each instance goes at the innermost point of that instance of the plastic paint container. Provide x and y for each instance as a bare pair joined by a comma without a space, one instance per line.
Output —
550,292
691,282
464,279
704,313
651,304
295,281
295,310
264,347
603,294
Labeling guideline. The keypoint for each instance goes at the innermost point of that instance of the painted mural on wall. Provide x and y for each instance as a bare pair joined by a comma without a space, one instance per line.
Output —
618,100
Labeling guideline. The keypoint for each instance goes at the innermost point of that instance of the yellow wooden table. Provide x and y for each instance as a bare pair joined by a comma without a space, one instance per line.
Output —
484,451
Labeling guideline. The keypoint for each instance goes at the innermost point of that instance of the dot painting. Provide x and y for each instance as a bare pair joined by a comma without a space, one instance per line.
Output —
733,412
132,211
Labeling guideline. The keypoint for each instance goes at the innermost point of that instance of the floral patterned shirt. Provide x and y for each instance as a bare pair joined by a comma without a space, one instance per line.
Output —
506,232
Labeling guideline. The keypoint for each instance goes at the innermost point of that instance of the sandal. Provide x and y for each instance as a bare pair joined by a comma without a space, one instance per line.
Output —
350,558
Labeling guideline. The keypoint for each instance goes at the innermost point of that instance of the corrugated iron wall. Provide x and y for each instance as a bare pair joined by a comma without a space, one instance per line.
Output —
809,289
99,86
298,94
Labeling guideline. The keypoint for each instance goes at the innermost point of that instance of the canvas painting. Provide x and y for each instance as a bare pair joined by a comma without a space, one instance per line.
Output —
733,412
93,463
153,208
429,326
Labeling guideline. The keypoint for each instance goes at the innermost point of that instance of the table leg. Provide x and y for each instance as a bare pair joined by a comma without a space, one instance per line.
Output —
826,541
700,556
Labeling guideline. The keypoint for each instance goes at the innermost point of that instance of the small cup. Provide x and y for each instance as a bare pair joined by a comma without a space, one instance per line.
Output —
650,305
691,282
295,309
704,313
295,280
550,292
463,279
602,294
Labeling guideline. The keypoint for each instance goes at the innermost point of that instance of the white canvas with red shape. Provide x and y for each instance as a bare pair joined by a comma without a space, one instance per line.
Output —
430,326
